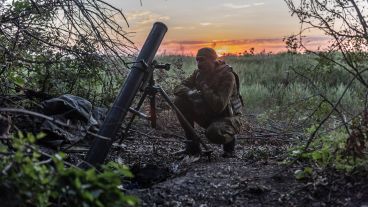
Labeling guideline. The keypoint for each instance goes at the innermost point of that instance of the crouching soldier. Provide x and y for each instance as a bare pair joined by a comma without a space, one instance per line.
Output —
210,97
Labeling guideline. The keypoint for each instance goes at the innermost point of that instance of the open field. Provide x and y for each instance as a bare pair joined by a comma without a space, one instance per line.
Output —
269,82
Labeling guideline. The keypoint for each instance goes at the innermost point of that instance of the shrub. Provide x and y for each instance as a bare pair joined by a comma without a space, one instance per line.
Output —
31,179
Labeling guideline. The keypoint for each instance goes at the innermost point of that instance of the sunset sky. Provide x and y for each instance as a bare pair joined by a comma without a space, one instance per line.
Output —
228,26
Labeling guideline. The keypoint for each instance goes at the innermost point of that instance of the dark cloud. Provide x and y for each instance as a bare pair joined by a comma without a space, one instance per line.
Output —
240,41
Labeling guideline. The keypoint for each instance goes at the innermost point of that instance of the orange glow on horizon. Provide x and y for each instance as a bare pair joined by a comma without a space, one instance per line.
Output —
222,49
234,47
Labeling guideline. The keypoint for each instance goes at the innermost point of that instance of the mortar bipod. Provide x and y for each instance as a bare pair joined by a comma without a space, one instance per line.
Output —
150,89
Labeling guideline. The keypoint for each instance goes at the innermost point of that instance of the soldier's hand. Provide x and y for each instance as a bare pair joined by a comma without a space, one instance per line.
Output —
181,90
194,94
197,101
195,97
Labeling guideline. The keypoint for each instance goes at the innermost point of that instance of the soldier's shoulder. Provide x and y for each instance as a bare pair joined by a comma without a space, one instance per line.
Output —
223,67
226,72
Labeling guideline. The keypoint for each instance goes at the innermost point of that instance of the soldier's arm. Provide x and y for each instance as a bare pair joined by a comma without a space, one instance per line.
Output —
186,85
218,99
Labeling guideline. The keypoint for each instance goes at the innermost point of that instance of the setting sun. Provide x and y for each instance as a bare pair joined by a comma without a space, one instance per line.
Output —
228,27
222,50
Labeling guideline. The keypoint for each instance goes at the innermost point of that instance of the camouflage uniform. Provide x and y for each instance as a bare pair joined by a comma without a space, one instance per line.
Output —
216,106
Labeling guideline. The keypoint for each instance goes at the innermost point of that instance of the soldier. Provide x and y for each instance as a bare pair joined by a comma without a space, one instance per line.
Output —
210,97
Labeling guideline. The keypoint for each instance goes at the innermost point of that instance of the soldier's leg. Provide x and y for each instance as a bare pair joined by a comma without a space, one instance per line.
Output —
229,149
186,108
222,131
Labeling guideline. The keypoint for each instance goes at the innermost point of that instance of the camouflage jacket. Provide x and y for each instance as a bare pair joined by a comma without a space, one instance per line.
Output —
219,88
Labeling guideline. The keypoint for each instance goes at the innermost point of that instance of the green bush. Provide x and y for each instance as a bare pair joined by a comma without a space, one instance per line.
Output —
329,151
31,179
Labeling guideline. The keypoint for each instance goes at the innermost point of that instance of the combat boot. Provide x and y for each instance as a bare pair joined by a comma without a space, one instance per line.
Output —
229,149
192,148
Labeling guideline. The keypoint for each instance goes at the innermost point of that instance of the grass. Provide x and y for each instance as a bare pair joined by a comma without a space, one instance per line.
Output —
270,81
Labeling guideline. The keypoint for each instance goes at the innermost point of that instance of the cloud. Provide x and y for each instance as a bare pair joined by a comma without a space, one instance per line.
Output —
178,28
137,14
185,42
236,6
228,42
242,6
205,23
259,4
140,18
244,41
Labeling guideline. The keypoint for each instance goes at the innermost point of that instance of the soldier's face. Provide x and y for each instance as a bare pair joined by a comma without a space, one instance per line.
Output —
205,64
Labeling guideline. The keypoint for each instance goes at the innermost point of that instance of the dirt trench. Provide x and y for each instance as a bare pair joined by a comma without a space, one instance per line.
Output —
257,176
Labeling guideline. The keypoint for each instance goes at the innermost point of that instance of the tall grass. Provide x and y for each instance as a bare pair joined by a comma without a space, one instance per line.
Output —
270,81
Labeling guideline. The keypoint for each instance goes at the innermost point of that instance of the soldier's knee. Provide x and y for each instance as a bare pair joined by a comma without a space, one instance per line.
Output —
219,135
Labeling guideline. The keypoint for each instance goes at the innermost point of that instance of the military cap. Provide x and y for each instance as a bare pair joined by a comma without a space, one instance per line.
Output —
207,53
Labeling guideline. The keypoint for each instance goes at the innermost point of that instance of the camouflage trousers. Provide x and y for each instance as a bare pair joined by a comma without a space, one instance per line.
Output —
220,129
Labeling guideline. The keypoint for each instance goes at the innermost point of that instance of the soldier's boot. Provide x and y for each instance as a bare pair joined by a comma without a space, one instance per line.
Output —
229,149
192,148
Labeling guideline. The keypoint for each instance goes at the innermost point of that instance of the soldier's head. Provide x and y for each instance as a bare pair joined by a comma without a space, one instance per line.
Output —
206,59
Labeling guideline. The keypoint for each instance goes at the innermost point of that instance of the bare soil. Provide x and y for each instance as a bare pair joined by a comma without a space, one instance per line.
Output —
257,176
